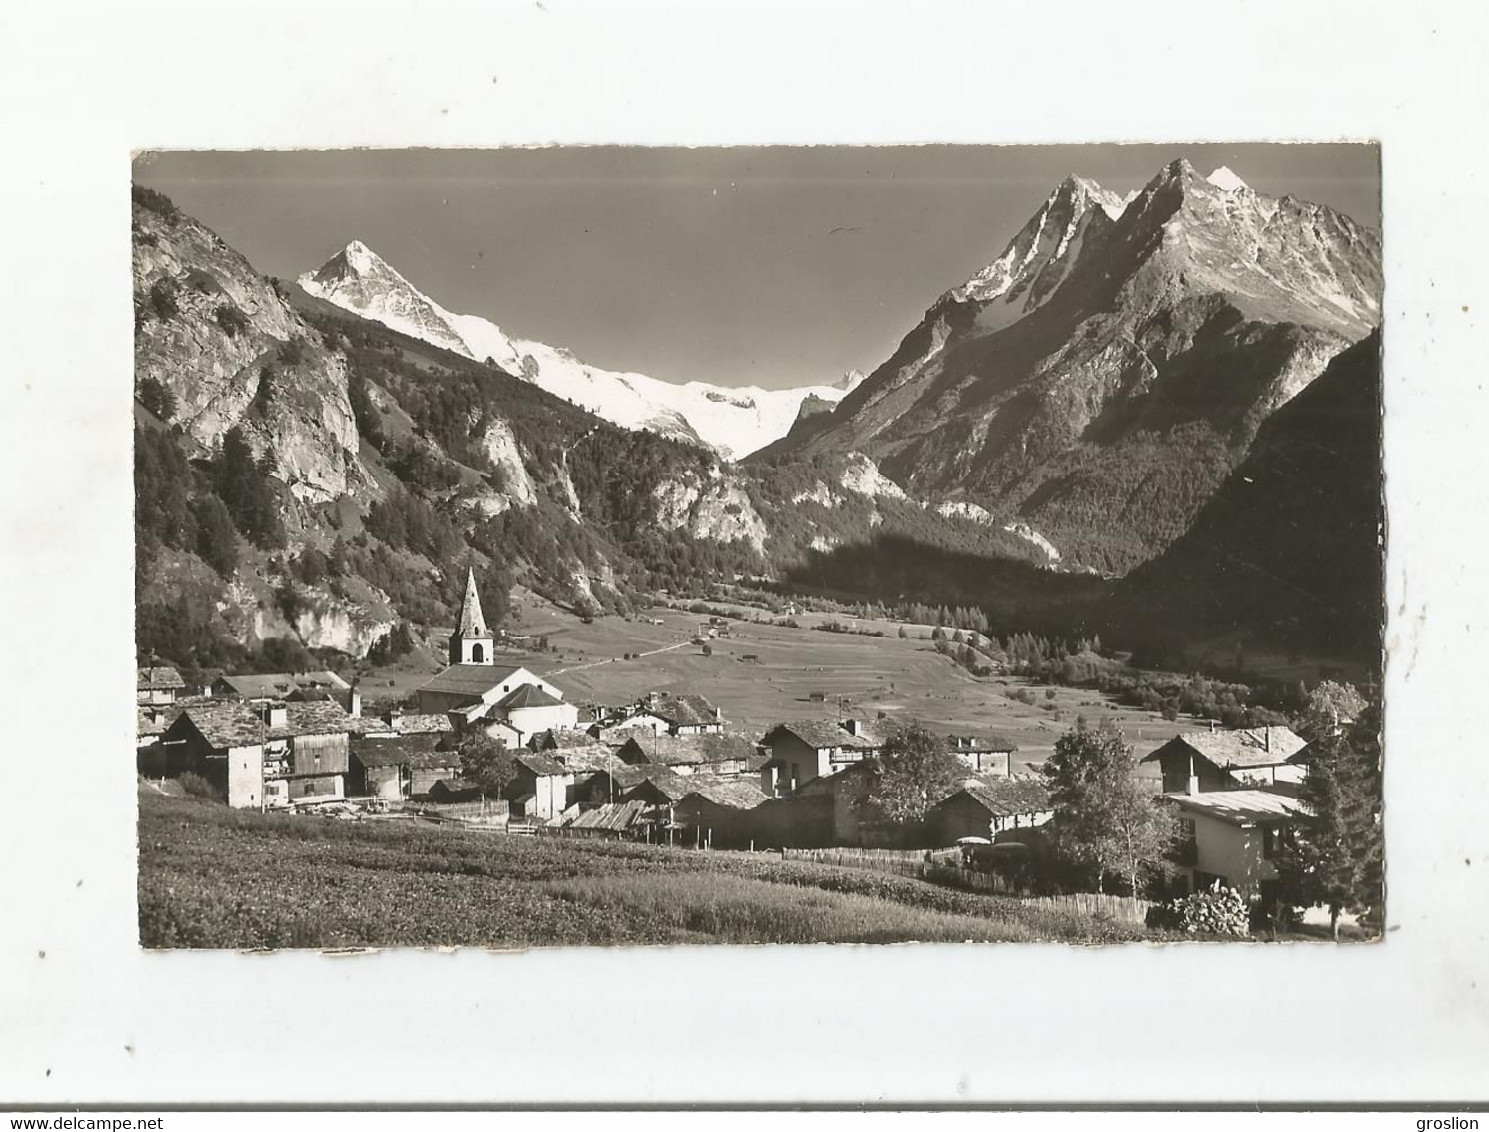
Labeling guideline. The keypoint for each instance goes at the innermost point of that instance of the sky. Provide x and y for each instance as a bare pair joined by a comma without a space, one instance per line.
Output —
772,266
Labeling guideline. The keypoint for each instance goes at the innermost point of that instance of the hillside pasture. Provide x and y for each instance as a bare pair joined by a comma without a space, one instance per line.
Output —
901,677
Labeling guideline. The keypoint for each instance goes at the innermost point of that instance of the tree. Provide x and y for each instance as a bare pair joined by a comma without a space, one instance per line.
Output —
242,483
1330,706
157,398
485,762
216,539
285,654
1104,819
1336,857
911,774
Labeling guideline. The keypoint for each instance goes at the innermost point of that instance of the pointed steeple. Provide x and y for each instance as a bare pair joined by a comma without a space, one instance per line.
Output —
472,621
471,642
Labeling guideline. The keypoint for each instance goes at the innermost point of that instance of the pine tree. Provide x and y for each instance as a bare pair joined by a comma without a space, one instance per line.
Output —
1335,859
216,539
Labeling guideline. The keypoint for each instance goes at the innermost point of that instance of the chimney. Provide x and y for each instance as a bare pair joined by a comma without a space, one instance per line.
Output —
850,726
354,706
276,715
1267,739
718,714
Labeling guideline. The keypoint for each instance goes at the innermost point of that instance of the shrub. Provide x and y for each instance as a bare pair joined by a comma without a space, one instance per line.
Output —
155,202
202,282
163,298
1214,911
157,398
198,787
231,319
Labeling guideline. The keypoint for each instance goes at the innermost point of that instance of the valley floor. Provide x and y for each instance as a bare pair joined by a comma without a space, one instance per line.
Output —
902,677
213,877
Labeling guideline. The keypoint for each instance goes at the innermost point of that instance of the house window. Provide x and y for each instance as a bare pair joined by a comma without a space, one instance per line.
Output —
1274,840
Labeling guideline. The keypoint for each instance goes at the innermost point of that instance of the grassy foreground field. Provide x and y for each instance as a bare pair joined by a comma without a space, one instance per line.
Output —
214,877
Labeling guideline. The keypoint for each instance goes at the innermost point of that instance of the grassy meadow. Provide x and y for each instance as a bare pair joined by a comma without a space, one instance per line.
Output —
214,877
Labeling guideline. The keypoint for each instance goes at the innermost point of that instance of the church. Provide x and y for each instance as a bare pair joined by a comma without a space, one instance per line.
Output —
510,703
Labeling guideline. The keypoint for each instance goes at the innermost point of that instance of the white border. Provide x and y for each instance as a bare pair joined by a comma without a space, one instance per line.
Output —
98,1020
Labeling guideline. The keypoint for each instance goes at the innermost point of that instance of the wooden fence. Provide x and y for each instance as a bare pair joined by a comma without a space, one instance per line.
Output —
1121,908
855,858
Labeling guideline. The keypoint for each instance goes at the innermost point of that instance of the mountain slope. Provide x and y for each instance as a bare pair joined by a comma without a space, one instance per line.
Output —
734,422
1099,379
1288,550
231,351
374,467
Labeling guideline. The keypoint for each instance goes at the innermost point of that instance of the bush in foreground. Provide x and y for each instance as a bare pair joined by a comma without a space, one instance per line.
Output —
1214,911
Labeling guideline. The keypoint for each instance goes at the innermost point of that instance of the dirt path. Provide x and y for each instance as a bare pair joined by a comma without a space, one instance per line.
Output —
617,659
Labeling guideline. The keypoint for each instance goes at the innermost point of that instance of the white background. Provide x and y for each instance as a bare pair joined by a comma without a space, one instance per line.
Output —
84,1015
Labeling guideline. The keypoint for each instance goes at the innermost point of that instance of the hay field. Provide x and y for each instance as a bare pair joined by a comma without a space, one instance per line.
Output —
901,677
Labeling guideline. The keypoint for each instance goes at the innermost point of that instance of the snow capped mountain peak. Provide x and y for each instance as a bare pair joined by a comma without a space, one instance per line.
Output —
1038,259
360,258
733,422
359,280
1226,181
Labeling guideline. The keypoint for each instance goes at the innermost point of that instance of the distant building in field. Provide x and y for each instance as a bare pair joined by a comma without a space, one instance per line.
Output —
158,686
264,754
1199,761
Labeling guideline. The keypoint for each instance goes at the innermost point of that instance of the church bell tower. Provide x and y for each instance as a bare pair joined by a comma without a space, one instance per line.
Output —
471,642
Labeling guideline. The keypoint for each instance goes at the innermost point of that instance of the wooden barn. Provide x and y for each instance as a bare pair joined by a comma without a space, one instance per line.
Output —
266,755
987,807
402,767
543,788
717,811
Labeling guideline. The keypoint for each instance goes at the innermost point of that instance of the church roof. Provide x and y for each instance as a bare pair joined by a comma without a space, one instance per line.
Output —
472,679
529,695
472,620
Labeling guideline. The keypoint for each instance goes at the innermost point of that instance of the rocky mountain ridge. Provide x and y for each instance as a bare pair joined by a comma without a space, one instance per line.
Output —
1100,377
733,421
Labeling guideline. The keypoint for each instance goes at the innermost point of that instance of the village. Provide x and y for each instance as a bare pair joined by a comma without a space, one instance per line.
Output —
668,768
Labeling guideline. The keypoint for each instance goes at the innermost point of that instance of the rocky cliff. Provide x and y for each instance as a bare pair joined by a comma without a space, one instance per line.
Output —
221,338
